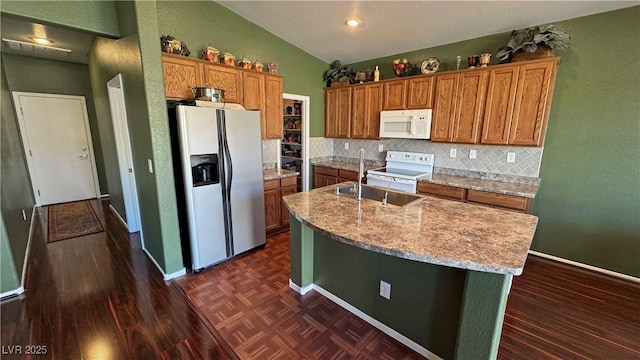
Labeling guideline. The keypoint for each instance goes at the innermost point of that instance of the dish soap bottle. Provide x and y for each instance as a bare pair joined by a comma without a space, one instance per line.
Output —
376,74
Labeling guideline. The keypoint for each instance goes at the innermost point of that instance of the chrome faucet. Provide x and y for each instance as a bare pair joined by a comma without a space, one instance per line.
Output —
360,174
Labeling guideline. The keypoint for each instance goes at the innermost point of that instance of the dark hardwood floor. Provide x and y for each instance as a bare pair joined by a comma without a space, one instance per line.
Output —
248,300
100,297
559,311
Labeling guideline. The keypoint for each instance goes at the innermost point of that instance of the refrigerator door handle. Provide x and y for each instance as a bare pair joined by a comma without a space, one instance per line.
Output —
228,173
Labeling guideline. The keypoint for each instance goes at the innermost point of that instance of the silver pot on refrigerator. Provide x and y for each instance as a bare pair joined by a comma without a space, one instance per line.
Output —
207,93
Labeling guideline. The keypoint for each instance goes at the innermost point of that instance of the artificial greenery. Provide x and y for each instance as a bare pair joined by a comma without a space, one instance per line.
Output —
530,39
339,72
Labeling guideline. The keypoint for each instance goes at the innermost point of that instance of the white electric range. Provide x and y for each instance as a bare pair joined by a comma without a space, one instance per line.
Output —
402,170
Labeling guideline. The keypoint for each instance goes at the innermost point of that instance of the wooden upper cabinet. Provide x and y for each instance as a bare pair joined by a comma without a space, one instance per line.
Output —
253,89
272,112
518,103
395,95
444,107
365,117
179,73
532,103
472,90
501,95
337,113
420,92
226,78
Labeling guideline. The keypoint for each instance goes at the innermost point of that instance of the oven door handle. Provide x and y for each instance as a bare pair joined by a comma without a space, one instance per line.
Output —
391,177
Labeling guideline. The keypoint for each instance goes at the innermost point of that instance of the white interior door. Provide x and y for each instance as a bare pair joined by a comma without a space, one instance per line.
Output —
57,142
125,156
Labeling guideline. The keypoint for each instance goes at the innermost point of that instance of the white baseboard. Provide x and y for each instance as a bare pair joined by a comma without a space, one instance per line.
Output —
585,266
28,250
165,276
13,292
375,323
300,290
117,214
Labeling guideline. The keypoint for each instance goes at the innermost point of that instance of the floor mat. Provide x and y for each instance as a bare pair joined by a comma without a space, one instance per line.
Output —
70,220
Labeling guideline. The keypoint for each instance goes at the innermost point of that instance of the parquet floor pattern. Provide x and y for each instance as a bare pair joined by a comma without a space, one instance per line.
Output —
249,302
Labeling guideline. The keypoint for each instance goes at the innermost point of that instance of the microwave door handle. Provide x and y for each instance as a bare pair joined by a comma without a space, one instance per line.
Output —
413,125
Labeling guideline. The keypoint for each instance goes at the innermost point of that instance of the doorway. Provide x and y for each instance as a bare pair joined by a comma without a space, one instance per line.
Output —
58,147
294,146
117,105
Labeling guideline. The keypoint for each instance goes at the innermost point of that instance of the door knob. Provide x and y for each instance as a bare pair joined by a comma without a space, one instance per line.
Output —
85,156
84,148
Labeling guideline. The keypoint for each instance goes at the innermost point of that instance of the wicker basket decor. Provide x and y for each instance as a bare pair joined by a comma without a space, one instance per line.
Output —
543,51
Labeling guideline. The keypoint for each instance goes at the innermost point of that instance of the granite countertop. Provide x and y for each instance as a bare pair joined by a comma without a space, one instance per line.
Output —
496,183
526,189
430,230
273,173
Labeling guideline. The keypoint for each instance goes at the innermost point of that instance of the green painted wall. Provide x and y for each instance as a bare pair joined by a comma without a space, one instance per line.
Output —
56,77
156,192
94,16
589,199
9,279
209,22
425,299
15,193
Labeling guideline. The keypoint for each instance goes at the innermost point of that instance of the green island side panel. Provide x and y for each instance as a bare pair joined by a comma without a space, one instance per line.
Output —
484,304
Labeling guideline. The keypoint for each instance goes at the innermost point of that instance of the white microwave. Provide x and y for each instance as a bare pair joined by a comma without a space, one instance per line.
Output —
406,124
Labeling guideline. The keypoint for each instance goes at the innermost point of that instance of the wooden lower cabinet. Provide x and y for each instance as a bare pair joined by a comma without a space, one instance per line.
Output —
325,176
272,207
276,214
442,191
498,201
287,186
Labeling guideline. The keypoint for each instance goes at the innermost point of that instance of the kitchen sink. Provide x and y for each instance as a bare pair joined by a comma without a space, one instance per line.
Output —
376,194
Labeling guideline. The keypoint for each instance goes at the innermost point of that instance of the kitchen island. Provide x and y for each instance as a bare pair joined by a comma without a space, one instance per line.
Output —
449,264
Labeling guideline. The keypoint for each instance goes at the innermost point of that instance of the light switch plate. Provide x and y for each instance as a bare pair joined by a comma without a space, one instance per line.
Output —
150,163
385,289
473,154
346,146
453,153
380,148
511,157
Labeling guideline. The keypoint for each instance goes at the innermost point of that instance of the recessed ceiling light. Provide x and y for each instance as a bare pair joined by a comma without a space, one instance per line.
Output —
353,22
41,40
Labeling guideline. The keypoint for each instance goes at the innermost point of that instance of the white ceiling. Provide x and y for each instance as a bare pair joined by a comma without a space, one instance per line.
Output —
17,29
389,27
393,27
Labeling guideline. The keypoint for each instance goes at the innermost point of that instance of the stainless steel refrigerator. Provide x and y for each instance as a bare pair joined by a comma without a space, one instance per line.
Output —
221,165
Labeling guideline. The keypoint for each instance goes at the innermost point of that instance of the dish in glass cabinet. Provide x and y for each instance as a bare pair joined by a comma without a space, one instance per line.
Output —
430,65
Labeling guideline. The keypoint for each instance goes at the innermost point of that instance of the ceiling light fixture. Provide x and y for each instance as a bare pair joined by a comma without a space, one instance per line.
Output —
353,21
41,40
26,46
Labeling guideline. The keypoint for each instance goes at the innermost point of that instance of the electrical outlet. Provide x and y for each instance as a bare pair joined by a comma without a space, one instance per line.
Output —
473,154
385,289
453,153
380,148
511,157
24,215
346,146
150,164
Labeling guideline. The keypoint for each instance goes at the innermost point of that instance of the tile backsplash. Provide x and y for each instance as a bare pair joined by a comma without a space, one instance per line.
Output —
489,159
270,152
